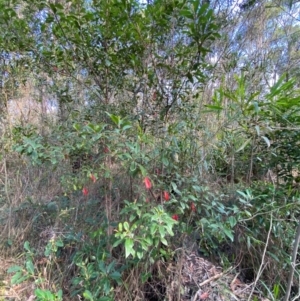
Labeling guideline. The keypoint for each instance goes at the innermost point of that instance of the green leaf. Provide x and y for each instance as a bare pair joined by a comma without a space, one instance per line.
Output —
18,278
273,256
213,108
244,145
139,254
55,7
116,275
133,166
187,13
276,290
120,227
248,213
164,241
41,294
175,189
144,245
110,266
27,246
88,295
143,170
77,126
148,240
59,243
102,267
161,231
59,294
145,277
126,226
275,89
129,247
118,242
115,119
232,221
29,267
165,161
126,127
14,268
228,233
169,227
266,140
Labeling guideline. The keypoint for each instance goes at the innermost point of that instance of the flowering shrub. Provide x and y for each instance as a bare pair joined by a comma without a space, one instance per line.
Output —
144,230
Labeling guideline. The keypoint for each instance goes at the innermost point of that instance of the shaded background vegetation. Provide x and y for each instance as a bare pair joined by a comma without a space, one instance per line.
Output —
199,100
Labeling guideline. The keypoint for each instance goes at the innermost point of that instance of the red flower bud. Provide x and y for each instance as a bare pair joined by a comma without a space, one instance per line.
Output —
93,178
147,183
193,207
175,217
166,196
85,191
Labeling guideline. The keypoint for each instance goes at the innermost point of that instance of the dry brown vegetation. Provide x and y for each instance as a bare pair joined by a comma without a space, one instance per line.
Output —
149,152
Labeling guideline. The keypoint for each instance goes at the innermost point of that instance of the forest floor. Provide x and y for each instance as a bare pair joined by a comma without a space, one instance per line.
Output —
198,279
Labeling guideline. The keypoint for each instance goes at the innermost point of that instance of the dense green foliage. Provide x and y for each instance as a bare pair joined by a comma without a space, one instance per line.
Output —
132,132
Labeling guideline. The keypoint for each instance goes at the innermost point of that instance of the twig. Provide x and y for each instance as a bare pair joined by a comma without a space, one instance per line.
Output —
293,263
264,213
298,295
212,278
197,294
262,260
180,274
7,196
209,280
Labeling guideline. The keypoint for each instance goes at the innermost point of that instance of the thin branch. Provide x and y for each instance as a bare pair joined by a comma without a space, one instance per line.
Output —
298,295
213,278
262,260
293,263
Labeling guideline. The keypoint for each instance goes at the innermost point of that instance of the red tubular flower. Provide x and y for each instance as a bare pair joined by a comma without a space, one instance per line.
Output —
193,207
166,196
93,178
175,217
147,183
85,191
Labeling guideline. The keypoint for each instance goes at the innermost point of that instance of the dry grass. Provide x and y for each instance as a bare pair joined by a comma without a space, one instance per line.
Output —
35,208
7,291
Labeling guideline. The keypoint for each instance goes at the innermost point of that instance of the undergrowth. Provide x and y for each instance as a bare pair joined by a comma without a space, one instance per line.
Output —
112,229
